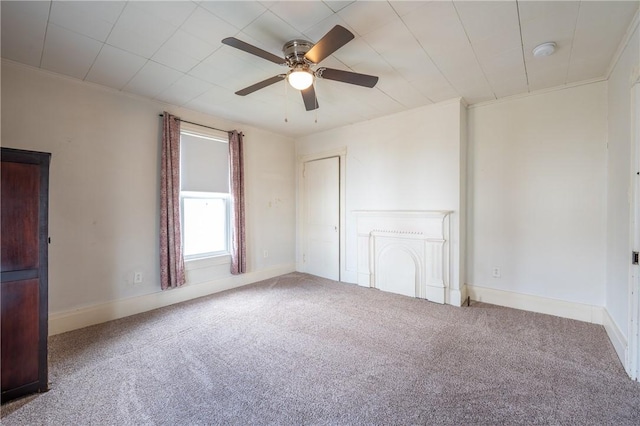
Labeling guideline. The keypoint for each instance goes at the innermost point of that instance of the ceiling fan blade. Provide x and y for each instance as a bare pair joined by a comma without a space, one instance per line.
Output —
337,37
309,98
260,85
347,77
239,44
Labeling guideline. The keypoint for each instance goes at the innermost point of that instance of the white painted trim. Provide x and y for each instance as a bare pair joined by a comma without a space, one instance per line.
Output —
633,334
623,43
618,340
342,154
78,318
543,305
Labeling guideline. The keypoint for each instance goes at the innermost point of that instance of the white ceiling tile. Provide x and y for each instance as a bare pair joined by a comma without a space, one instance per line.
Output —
510,62
393,36
114,67
596,38
469,80
419,66
107,10
404,7
184,90
140,33
530,10
237,13
302,15
183,51
435,87
272,31
586,69
37,9
152,79
176,59
136,18
69,53
367,16
268,3
77,17
375,65
551,28
437,27
459,60
215,73
23,30
355,52
174,12
189,45
134,42
379,100
213,96
545,77
496,45
403,92
208,27
336,5
508,84
510,87
483,19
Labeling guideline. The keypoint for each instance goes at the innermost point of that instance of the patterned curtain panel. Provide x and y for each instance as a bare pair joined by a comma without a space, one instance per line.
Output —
238,245
171,260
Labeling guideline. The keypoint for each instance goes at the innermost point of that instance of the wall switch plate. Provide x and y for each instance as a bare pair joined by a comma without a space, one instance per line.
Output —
137,278
496,273
265,253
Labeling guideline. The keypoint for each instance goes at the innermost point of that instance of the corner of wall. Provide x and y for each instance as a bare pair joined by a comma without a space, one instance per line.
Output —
618,339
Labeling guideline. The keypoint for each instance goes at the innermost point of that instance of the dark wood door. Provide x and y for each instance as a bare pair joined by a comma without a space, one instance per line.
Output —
23,262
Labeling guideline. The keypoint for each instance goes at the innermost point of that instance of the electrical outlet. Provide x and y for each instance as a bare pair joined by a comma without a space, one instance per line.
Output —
137,278
496,272
265,253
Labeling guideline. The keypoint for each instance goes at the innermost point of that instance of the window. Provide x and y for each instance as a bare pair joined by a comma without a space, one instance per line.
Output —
204,194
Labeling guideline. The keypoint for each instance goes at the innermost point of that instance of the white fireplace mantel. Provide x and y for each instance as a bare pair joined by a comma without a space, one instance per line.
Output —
405,252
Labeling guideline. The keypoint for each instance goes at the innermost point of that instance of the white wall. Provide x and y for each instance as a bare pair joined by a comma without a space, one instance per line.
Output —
406,161
104,181
618,184
537,191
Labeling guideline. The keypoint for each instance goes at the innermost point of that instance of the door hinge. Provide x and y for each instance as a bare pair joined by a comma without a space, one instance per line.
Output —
634,258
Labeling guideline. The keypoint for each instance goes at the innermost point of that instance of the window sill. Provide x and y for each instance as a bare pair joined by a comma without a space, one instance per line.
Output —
206,262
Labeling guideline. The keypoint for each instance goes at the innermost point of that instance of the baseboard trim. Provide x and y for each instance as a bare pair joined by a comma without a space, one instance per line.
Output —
543,305
62,322
618,339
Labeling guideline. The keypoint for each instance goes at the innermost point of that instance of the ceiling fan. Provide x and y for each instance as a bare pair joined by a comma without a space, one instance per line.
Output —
301,56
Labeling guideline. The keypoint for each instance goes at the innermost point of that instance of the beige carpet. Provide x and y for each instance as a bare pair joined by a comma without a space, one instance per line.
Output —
303,350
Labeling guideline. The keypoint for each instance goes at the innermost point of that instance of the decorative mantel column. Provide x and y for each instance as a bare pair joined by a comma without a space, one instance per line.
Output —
405,252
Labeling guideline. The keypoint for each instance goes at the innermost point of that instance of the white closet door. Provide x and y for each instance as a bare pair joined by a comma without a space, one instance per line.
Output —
322,218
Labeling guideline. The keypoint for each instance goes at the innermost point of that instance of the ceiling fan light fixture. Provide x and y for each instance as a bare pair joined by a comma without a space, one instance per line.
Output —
544,49
300,79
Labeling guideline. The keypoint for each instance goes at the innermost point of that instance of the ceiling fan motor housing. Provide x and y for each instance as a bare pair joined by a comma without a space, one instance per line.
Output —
295,50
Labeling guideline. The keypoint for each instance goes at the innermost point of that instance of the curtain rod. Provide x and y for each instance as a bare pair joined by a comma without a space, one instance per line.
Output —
201,125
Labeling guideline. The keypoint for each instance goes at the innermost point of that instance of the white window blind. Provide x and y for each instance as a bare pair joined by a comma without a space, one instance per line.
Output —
204,164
